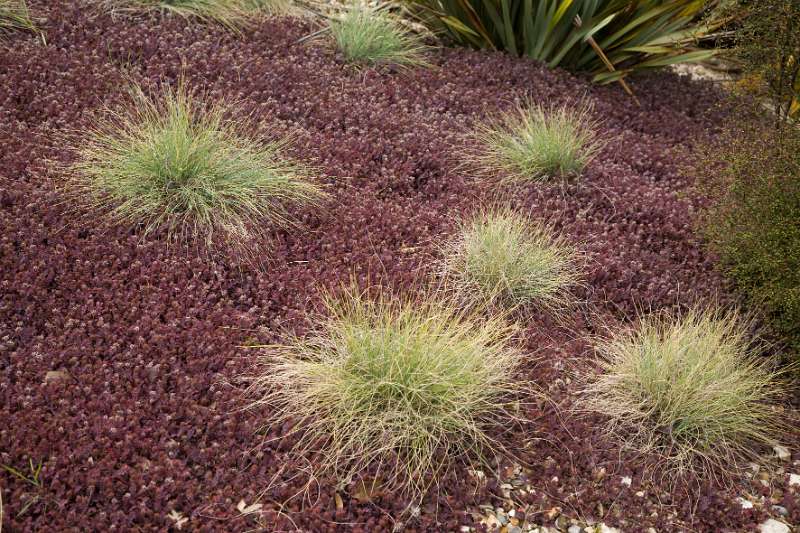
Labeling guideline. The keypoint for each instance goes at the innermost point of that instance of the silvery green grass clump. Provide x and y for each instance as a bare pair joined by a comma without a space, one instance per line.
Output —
692,389
370,36
233,14
173,161
503,257
394,387
533,143
14,15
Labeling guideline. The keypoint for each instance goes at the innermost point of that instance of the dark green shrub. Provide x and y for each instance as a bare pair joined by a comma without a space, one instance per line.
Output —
754,220
768,46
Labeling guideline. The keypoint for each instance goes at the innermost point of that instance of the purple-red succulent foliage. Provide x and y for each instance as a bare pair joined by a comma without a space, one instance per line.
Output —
120,357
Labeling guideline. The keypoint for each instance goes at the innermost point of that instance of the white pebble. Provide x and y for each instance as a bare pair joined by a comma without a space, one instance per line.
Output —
746,504
782,452
773,526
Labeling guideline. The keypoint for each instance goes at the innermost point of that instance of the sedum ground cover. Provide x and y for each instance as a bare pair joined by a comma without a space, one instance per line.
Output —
120,357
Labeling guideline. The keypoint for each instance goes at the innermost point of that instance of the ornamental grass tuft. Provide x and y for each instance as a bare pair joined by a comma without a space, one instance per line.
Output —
393,387
372,36
693,390
233,14
173,161
531,143
501,256
14,15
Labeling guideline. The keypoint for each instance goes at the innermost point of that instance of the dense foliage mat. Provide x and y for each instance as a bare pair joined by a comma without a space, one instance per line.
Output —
120,355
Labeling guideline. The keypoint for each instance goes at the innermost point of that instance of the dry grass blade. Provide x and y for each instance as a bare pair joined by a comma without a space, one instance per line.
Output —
234,14
393,387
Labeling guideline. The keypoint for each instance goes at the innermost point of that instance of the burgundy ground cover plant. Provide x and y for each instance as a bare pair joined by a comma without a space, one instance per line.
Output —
120,356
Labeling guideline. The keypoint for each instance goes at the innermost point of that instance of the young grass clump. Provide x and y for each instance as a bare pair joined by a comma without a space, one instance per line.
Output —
371,36
392,387
14,15
173,161
531,143
501,256
693,390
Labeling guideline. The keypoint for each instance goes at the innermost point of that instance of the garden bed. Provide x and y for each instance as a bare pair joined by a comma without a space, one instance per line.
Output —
121,358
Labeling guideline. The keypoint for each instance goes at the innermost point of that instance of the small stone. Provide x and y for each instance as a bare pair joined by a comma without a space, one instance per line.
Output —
746,504
607,529
780,509
514,529
465,529
54,376
512,513
794,479
491,522
552,513
782,452
640,494
575,529
478,474
626,481
773,526
152,370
